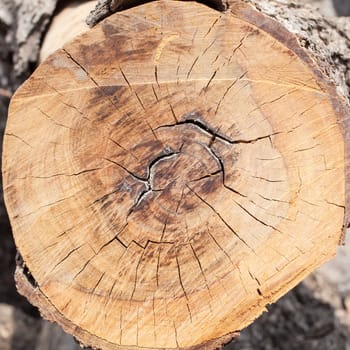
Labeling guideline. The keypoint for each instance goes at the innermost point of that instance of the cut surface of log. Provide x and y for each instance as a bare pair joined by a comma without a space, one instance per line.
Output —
170,172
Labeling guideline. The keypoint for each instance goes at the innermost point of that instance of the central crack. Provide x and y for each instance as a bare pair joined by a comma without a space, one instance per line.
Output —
149,188
190,155
194,118
192,169
193,162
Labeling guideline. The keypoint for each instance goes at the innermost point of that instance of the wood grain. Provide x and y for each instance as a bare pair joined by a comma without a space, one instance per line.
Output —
169,173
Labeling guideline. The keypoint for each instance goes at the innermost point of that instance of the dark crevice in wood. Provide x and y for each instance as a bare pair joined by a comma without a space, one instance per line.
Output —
222,167
214,133
207,176
147,180
25,271
140,178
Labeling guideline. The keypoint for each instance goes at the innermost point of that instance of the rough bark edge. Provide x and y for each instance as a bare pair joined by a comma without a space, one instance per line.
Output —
288,28
25,23
327,39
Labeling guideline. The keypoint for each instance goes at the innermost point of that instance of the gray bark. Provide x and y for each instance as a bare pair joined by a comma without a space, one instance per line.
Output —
23,23
326,38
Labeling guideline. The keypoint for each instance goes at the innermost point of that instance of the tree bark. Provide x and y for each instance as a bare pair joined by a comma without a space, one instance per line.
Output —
25,22
326,39
189,170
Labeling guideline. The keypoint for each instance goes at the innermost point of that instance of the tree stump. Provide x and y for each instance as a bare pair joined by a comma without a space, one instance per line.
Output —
171,172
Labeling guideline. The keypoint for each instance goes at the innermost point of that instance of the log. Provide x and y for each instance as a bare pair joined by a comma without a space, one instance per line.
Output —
175,169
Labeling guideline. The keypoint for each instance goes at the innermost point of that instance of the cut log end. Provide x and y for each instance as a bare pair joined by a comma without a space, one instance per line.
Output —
171,172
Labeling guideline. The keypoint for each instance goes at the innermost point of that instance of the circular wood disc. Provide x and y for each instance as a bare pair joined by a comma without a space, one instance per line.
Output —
171,172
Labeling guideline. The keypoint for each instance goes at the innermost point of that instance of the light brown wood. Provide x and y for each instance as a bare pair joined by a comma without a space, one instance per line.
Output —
170,172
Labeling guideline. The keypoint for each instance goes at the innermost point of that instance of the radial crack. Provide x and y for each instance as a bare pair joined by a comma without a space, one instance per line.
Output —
210,80
67,256
91,78
136,273
207,176
212,25
222,219
156,75
238,47
147,180
183,288
255,218
191,68
222,167
143,179
19,138
201,268
52,120
220,247
228,90
59,174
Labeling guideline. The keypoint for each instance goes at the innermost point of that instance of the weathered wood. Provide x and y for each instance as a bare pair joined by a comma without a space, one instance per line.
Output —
184,171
